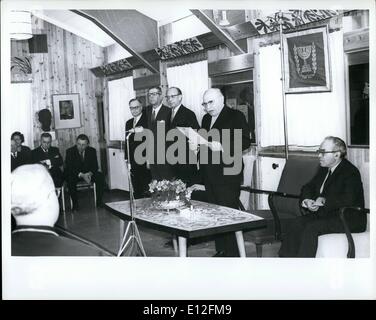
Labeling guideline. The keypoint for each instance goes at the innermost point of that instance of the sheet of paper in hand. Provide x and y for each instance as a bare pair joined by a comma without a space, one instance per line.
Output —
193,135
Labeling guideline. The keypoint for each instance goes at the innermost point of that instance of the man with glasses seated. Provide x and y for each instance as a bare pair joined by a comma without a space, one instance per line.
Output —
336,184
140,174
158,119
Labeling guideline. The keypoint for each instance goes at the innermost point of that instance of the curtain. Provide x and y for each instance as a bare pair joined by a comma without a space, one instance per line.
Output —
192,79
271,115
120,92
310,116
21,114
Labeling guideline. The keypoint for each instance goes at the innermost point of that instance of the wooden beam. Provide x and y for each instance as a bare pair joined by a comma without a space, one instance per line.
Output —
118,40
220,34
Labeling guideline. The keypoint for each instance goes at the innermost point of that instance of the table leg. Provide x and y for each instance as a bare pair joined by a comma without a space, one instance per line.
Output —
175,243
240,242
182,247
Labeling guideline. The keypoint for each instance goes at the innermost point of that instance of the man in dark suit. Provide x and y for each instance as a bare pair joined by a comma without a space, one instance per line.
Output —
337,184
35,207
81,163
20,154
222,185
182,117
139,172
50,157
158,119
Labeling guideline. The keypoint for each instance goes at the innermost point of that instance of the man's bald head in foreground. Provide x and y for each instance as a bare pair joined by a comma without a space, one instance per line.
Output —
33,197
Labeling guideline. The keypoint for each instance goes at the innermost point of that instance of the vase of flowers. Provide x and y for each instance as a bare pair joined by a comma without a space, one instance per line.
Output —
169,194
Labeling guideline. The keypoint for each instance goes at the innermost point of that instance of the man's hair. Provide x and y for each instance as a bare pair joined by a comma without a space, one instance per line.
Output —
17,133
31,187
176,88
135,99
339,144
83,137
156,87
45,135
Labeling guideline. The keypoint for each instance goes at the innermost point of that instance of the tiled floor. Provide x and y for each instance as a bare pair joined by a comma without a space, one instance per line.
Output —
103,228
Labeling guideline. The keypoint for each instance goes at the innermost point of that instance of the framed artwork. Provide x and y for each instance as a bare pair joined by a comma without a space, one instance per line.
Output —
66,110
306,60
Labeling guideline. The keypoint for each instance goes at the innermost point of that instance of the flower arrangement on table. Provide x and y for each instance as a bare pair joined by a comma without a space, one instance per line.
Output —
168,194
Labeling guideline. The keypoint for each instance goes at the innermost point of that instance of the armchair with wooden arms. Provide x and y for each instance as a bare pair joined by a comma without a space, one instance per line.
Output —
340,245
284,203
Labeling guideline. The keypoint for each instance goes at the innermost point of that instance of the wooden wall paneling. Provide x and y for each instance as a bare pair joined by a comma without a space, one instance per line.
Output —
65,69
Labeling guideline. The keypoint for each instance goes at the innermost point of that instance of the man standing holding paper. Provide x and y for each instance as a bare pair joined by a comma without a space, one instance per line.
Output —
182,117
223,186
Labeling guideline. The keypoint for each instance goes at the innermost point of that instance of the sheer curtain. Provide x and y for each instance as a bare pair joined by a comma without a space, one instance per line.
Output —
120,92
21,114
310,116
192,79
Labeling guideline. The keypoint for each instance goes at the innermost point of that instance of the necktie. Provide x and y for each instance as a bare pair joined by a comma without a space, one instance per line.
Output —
153,116
322,191
82,156
172,114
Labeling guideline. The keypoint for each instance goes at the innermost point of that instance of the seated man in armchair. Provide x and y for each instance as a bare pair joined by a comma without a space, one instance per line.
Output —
81,164
336,184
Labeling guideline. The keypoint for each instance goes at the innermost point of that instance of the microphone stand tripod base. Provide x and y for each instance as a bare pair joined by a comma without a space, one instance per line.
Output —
131,238
131,235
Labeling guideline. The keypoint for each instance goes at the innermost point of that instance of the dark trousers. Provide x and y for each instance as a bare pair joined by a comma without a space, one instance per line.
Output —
225,195
97,177
140,181
302,235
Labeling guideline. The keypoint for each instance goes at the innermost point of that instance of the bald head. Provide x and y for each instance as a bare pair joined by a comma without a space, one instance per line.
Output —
33,197
213,101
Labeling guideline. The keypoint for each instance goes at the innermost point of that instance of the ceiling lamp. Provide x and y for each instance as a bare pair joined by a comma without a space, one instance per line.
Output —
224,22
20,25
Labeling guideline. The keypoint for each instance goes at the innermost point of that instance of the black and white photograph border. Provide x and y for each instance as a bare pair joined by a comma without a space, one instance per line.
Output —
173,278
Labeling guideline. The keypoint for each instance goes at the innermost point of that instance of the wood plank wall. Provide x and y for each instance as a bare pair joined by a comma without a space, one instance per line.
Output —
65,69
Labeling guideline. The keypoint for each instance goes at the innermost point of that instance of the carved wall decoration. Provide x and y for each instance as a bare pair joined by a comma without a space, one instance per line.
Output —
112,68
291,19
179,48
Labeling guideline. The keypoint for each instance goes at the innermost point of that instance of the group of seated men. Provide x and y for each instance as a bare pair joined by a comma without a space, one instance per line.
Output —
80,163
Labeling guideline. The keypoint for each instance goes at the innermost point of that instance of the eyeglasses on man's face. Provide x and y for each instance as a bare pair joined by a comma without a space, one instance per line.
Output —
153,94
134,108
205,104
172,96
323,151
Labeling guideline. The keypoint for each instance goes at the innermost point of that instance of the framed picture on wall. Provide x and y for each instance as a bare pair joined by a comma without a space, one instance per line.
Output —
306,61
66,110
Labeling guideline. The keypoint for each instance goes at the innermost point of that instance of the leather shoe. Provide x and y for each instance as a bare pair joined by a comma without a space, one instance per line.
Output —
219,254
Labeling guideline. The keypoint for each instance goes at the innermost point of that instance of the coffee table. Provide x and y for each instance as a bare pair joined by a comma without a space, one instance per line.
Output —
202,219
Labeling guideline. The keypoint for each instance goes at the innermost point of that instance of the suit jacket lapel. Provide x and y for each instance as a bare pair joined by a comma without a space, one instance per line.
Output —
221,120
336,172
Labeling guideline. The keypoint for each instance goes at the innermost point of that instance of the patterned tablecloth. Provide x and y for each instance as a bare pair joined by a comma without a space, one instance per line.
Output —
202,216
